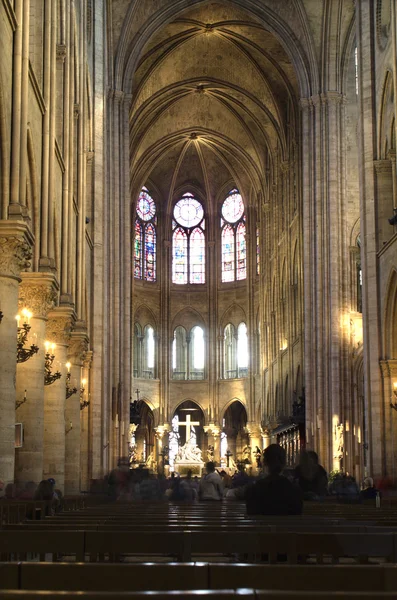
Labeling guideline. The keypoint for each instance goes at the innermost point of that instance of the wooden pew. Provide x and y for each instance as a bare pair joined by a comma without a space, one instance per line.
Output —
19,543
138,577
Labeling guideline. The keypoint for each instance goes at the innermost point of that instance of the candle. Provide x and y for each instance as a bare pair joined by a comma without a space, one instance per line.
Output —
18,318
83,382
47,346
68,365
53,346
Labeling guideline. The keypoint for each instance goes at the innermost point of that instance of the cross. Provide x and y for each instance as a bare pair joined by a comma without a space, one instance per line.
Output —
188,424
228,455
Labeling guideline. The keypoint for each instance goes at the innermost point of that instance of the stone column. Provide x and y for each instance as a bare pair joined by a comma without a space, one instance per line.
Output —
58,332
86,449
388,370
76,352
37,293
255,436
15,250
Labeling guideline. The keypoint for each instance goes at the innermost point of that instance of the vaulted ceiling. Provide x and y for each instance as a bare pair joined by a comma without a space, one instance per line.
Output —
213,98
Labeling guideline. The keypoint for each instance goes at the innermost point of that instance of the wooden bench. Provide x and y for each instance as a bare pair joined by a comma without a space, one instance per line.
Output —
184,545
229,594
139,577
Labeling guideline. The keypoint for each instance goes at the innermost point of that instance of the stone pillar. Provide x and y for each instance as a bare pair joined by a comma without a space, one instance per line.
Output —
161,441
15,243
76,352
388,370
85,419
37,293
58,332
384,200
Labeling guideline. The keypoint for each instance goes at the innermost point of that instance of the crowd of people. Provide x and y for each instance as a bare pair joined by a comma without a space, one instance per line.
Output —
275,490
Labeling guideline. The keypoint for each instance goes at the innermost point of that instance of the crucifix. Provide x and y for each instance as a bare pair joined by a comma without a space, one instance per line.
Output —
188,423
228,455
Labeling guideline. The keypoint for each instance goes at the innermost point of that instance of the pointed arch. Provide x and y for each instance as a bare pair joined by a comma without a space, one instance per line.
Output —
390,319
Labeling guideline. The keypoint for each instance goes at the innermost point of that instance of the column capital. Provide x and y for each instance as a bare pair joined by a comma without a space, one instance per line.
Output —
383,166
61,52
388,368
88,359
60,322
16,241
38,292
78,347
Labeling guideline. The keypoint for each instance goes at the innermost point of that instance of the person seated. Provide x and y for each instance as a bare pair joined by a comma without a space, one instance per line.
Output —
28,491
211,485
310,476
189,488
241,478
45,493
369,491
274,494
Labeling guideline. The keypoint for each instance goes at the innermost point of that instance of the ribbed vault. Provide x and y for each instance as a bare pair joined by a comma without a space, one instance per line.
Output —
213,101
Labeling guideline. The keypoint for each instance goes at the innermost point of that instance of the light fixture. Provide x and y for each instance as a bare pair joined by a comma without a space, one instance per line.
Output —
394,393
19,403
23,354
49,376
83,402
69,390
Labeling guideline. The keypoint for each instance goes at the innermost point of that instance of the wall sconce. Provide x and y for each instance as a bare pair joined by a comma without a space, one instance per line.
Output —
19,403
69,390
23,354
49,376
394,393
83,402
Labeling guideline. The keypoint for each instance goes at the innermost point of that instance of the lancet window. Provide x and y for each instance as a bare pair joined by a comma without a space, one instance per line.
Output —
235,351
233,244
188,241
145,237
144,352
188,353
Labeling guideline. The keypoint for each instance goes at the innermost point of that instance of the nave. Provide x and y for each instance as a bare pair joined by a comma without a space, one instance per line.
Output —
96,549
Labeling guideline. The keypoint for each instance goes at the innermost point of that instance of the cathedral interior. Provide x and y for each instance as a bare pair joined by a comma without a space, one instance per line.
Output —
198,234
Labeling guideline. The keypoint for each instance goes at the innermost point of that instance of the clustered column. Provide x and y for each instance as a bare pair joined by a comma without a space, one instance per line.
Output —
15,243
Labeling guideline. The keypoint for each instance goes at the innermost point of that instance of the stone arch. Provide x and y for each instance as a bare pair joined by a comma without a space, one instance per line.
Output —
386,117
303,59
4,146
234,314
188,318
145,316
390,319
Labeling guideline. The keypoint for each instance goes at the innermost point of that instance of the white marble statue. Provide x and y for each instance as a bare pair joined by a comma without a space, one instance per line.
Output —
189,453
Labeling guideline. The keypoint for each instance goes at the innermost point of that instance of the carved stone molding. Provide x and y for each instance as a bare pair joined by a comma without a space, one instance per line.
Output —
383,166
388,368
38,292
61,52
16,242
78,347
76,111
90,156
88,359
60,322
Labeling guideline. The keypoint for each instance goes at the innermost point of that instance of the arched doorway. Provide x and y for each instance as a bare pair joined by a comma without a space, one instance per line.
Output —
142,437
234,436
187,426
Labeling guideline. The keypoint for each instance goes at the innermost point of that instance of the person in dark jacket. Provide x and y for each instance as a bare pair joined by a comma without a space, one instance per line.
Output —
274,494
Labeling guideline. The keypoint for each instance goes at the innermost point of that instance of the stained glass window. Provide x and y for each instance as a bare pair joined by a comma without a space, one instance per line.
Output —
228,253
145,238
197,256
188,238
234,251
150,253
258,255
241,252
138,251
146,208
